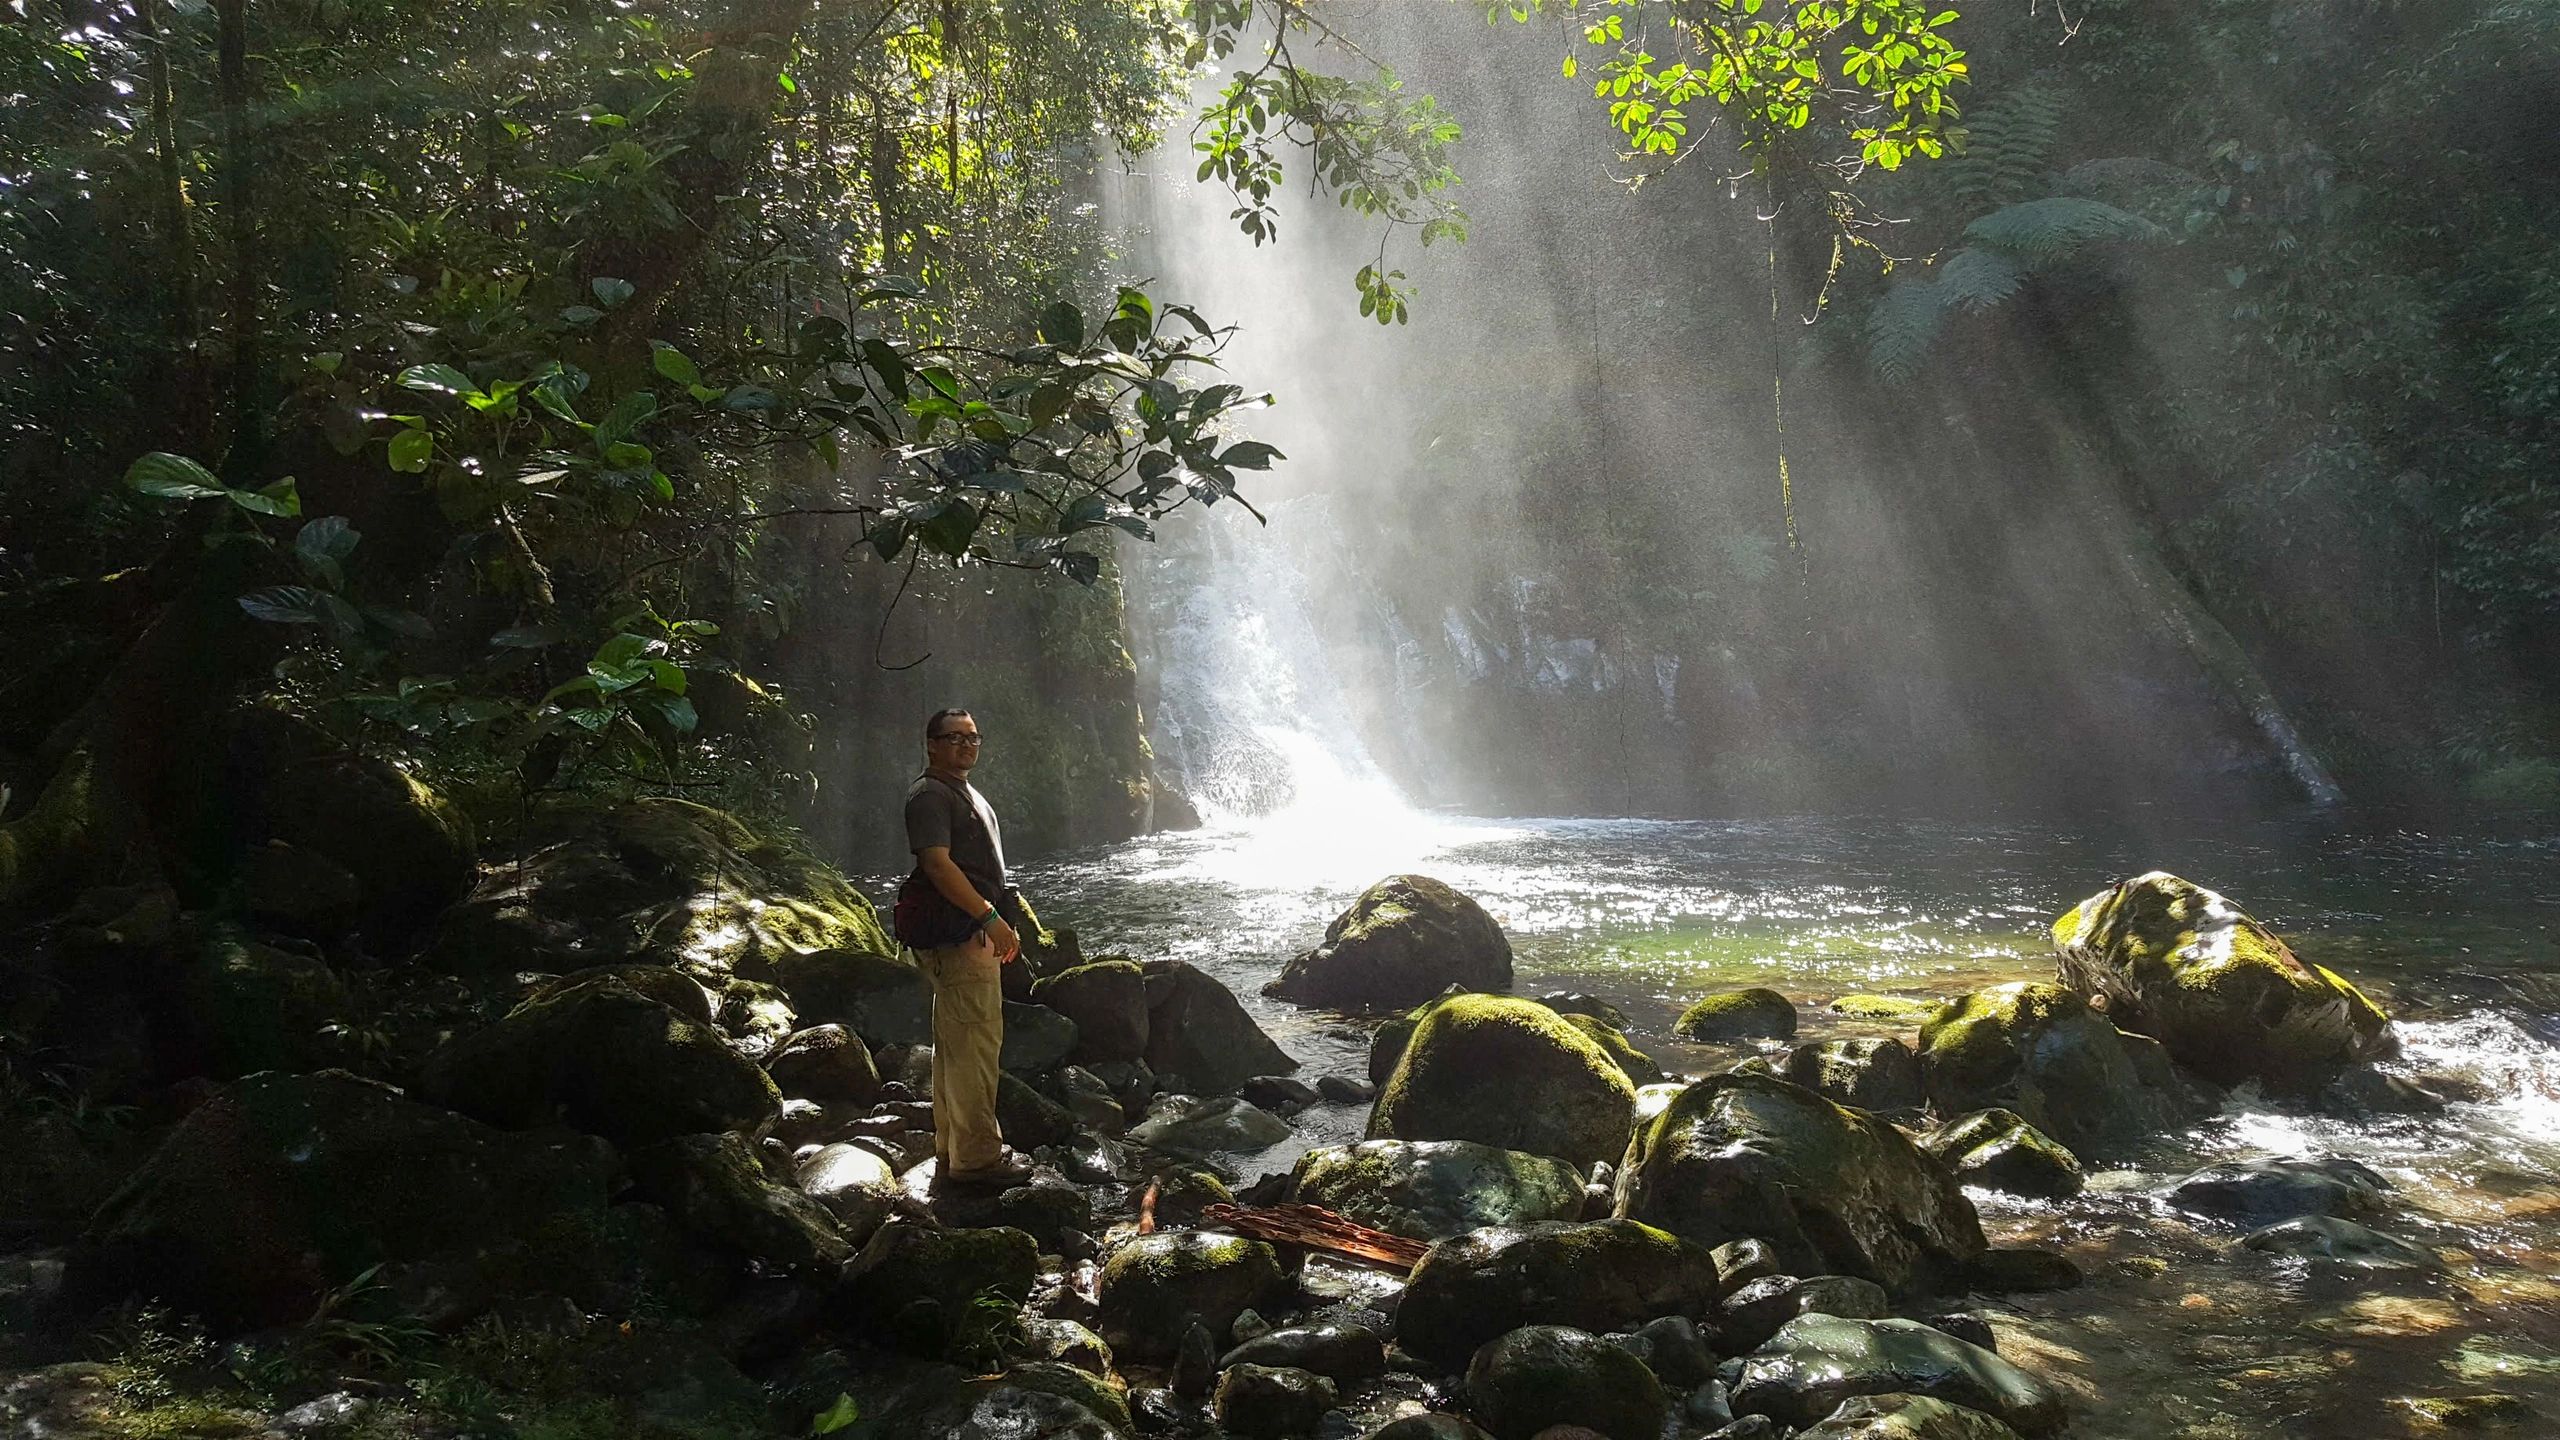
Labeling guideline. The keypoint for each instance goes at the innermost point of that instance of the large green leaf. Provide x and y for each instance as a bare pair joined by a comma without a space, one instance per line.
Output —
172,477
437,380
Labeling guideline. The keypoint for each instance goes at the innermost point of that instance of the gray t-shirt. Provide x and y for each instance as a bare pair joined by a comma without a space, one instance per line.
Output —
959,819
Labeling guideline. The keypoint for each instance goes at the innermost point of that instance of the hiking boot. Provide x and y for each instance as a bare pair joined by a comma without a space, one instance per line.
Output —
1012,1169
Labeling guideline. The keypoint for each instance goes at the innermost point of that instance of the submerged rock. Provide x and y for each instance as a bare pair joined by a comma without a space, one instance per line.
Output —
283,1187
1157,1286
2265,1190
1432,1189
2040,1051
2343,1243
1197,1029
607,1060
1540,1376
1818,1362
1907,1417
1753,1014
1601,1275
2231,1002
1998,1150
1406,939
1508,1073
1833,1190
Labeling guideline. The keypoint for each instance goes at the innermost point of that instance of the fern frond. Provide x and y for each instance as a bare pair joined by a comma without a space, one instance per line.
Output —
2040,232
1901,328
1976,280
2005,146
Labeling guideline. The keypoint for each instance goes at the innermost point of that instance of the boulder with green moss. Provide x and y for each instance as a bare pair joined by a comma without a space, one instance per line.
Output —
716,1188
1907,1417
825,1063
1508,1073
1637,1066
244,1005
1433,1189
1406,939
1108,1001
663,983
885,999
2175,961
1753,1014
1602,1275
924,1287
1874,1074
657,880
1155,1287
409,850
2039,1050
1999,1150
1540,1377
1198,1030
1816,1363
1831,1189
605,1059
283,1187
856,1185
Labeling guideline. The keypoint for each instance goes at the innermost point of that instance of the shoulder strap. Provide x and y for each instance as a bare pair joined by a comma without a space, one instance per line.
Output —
956,793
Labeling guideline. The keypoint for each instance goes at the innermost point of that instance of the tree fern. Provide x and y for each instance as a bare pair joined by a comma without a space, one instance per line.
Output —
2040,232
1907,320
2005,148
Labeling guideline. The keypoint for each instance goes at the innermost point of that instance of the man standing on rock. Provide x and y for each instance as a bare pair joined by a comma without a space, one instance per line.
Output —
960,852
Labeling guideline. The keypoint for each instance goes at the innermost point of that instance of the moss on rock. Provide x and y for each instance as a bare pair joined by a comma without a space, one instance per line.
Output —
1544,1376
1753,1014
917,1285
1108,1001
1999,1150
1156,1286
1405,939
2041,1051
2173,960
1508,1073
1432,1189
1637,1066
1602,1275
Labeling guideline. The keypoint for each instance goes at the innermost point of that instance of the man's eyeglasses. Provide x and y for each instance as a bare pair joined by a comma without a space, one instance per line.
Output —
960,737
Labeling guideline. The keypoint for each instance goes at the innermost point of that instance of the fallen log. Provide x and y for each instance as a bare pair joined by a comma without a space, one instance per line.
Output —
1316,1228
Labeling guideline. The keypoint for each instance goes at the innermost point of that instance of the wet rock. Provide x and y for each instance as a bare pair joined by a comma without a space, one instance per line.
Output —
1907,1417
855,1185
2230,1001
1870,1074
1157,1286
1345,1353
282,1187
1739,1262
337,1410
715,1186
1182,1193
826,1063
1195,1364
1539,1376
914,1284
607,1060
1090,1101
2021,1270
1601,1275
1565,1002
2040,1051
1249,1326
1405,939
756,1017
1280,1094
1037,1039
1637,1066
1067,1343
1833,1190
1033,1403
1675,1349
1103,1396
1751,1427
1343,1090
1263,1402
1430,1426
1028,1118
1507,1073
1750,1315
1753,1014
1890,1009
1197,1029
2367,1090
1186,1125
2343,1243
1818,1362
1158,1411
1966,1326
2264,1190
1999,1150
2487,1411
1432,1189
1047,1208
1107,1000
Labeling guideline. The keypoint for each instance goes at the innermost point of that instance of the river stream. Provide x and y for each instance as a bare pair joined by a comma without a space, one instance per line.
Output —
2178,1331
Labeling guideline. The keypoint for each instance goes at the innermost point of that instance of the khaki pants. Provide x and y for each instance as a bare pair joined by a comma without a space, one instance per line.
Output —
968,1030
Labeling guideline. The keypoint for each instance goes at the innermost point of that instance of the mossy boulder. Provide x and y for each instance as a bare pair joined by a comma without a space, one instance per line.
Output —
409,850
1601,1275
756,1016
1753,1014
2039,1050
2175,961
283,1187
1541,1376
919,1285
1433,1189
1507,1073
1348,1353
1832,1190
1037,1039
856,1185
1999,1150
1406,939
243,1005
1879,1074
1155,1287
657,880
1816,1363
1108,1001
605,1059
663,983
1271,1402
715,1187
828,1064
1907,1417
883,998
1198,1030
1637,1066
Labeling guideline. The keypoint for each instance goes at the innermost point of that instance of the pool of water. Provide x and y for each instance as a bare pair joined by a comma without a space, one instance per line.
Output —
2178,1332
